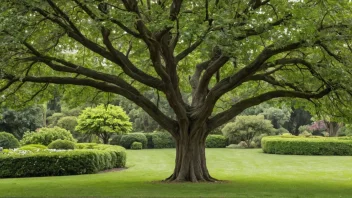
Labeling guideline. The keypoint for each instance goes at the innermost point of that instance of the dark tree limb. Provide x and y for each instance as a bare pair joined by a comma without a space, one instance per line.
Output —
139,100
175,9
113,55
225,116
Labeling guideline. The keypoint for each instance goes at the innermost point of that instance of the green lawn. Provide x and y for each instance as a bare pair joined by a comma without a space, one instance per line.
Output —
250,173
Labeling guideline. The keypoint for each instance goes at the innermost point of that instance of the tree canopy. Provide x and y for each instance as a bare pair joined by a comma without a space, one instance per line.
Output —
104,121
232,52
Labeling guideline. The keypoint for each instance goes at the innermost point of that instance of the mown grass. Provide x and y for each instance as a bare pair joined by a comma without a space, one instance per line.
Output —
249,173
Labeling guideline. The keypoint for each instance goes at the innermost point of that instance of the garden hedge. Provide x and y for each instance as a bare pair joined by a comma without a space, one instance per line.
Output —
216,141
306,145
127,140
54,163
162,140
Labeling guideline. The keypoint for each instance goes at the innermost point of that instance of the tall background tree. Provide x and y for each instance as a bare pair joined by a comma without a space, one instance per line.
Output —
250,51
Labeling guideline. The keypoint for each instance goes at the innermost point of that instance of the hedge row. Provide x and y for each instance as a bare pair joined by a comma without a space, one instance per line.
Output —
73,162
306,146
216,141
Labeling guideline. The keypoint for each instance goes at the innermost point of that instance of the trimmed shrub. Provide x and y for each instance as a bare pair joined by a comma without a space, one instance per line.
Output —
136,146
306,145
7,140
72,162
127,140
62,144
215,141
33,147
46,135
162,140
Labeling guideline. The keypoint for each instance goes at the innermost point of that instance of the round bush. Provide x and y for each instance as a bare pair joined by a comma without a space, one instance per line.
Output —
33,147
46,135
216,141
136,146
127,140
306,145
62,144
7,141
162,140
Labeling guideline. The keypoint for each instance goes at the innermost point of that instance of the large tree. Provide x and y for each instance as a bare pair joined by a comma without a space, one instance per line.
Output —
250,51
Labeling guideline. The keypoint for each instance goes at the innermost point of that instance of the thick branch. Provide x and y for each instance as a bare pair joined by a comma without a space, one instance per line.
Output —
237,108
175,9
118,58
189,50
139,100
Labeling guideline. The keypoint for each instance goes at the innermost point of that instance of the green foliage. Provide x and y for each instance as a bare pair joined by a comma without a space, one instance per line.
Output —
162,140
216,141
304,128
19,121
54,118
281,130
86,145
7,141
33,147
305,134
103,121
46,135
299,117
136,146
62,144
149,137
258,140
115,140
127,140
306,146
345,130
277,116
68,122
241,145
48,163
247,127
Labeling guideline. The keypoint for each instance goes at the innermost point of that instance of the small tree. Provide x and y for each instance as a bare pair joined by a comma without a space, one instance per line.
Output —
247,127
104,121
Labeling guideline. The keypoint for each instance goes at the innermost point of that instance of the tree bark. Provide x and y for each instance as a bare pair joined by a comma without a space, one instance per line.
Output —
332,128
190,163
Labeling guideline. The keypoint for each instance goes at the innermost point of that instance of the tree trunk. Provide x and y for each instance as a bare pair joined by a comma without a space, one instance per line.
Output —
105,137
332,128
190,163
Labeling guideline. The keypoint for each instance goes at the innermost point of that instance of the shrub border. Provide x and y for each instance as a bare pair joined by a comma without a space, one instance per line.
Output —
73,162
306,145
